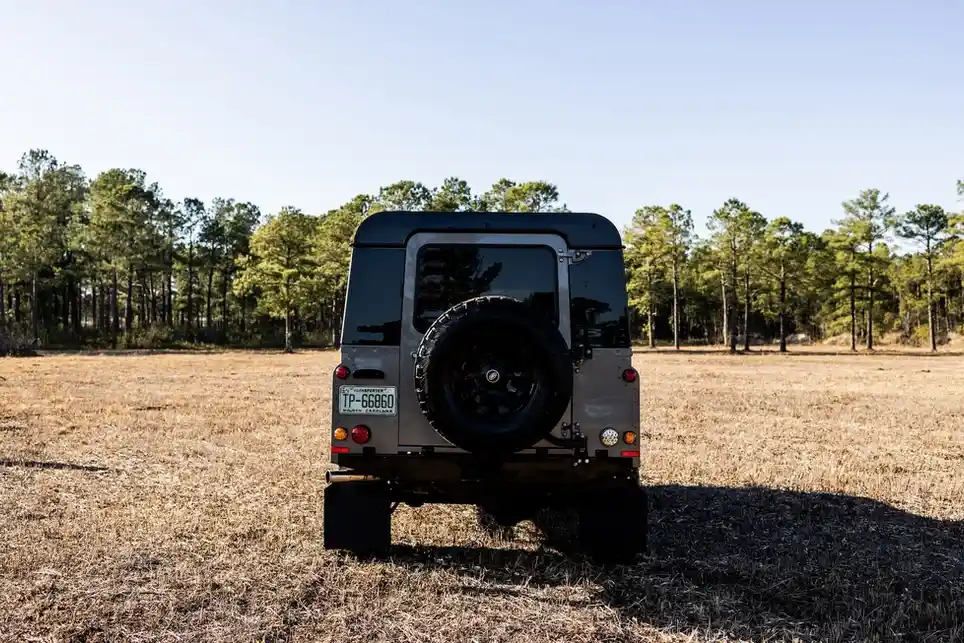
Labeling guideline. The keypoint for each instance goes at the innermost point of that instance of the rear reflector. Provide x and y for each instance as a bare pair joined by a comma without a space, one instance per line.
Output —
630,454
339,449
361,434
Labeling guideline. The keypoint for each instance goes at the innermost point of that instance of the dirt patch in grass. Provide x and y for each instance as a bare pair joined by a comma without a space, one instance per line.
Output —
177,497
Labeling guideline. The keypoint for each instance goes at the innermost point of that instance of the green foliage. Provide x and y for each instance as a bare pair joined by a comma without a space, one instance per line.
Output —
280,266
645,254
40,201
921,336
15,342
868,220
784,258
118,233
454,195
496,199
678,223
701,291
9,255
331,248
657,244
532,196
403,195
869,217
926,225
736,232
151,338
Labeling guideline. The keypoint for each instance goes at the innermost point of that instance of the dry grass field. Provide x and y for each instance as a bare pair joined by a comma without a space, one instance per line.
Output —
177,497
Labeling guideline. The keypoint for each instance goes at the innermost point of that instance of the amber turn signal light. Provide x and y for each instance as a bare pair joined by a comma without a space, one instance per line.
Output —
629,437
341,433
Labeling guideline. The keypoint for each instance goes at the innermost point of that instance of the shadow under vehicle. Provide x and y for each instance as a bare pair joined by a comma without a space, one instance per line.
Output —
754,564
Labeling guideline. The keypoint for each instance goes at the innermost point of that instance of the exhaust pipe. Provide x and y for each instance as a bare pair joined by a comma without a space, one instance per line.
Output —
347,476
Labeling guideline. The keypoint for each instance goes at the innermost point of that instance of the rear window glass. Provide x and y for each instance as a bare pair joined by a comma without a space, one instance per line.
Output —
598,302
447,274
373,311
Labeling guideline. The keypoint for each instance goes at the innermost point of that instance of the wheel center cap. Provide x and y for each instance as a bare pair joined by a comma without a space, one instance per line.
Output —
492,376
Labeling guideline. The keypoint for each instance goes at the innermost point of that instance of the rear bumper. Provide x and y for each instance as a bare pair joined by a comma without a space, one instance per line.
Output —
521,481
521,470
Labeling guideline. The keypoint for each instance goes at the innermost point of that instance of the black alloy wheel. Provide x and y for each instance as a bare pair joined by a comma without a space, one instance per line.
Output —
493,376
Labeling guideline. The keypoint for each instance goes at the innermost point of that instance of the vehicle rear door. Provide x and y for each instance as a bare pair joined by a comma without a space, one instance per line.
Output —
445,268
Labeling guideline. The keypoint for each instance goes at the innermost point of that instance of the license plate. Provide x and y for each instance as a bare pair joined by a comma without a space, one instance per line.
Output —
367,400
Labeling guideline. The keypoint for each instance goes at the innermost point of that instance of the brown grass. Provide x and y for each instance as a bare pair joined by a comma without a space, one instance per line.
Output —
177,497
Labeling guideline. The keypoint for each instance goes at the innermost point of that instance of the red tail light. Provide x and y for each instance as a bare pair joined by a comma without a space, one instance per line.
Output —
360,434
340,449
630,454
342,372
630,375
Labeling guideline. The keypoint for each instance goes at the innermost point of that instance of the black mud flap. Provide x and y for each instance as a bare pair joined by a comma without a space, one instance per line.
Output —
613,527
358,518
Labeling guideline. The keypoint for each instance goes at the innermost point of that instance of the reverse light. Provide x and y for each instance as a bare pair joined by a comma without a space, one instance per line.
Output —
609,437
629,437
341,433
630,375
342,372
360,434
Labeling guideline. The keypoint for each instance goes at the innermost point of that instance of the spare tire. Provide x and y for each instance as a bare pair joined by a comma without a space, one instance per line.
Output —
491,377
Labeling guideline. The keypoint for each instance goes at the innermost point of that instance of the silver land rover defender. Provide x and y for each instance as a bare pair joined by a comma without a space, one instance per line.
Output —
486,360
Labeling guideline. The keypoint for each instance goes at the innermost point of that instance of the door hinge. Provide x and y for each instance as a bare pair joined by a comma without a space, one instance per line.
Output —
579,353
572,438
573,256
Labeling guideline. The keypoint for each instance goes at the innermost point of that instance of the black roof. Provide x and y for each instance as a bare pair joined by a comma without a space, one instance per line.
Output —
581,230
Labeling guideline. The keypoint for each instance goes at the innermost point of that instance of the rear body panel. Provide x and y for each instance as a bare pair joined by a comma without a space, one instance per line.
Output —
384,429
601,399
600,326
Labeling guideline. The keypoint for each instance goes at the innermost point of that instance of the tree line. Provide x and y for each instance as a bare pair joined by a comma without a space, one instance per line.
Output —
113,261
755,279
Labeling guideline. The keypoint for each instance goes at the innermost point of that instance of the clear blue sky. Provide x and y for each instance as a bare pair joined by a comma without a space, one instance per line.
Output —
789,106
